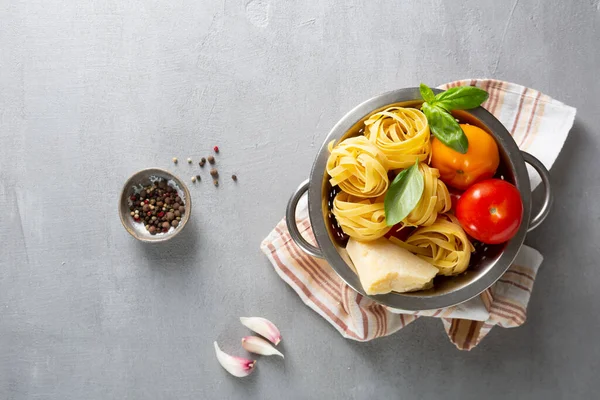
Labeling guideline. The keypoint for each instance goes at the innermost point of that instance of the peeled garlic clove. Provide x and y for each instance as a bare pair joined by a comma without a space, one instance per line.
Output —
257,345
263,327
236,366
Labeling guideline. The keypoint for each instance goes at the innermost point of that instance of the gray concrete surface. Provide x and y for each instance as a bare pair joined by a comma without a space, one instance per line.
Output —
91,91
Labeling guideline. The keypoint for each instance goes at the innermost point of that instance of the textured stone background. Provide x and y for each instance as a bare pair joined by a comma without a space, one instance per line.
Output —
93,90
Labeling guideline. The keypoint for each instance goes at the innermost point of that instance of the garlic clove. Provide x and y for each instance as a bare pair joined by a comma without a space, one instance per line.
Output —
257,345
236,366
263,327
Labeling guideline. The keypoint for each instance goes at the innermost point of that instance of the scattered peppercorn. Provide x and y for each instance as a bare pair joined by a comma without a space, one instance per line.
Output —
214,173
189,160
157,206
202,161
216,149
194,179
216,182
199,178
174,160
234,177
211,160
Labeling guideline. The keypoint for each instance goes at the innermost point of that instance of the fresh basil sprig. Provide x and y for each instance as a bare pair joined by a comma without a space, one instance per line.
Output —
403,195
426,93
445,128
437,109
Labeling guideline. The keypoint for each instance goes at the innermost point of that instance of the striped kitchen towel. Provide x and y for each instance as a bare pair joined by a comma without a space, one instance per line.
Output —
539,125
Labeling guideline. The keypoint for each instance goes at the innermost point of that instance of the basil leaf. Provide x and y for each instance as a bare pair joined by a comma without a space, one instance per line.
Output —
426,93
403,194
461,98
445,128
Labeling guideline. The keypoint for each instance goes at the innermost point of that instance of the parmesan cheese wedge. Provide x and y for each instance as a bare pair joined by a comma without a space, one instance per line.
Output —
383,267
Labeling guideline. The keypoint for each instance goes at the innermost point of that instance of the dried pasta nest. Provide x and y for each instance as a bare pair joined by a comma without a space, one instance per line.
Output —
444,244
361,219
358,167
402,134
434,200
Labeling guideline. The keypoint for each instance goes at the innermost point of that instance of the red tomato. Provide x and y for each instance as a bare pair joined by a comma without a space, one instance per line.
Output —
454,197
490,211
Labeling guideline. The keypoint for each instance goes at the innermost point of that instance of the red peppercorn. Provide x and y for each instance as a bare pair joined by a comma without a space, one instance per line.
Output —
149,213
161,214
146,201
136,217
216,149
165,229
132,198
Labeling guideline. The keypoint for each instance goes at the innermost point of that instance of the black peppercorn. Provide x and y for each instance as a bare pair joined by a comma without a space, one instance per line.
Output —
211,160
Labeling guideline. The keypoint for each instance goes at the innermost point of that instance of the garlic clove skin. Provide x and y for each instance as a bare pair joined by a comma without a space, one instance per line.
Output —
263,327
236,366
257,345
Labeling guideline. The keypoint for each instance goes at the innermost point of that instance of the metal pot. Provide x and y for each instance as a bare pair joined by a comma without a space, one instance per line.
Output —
488,263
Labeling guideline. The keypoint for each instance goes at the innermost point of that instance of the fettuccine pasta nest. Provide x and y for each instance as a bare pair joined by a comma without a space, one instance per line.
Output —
361,219
434,200
402,134
358,167
443,244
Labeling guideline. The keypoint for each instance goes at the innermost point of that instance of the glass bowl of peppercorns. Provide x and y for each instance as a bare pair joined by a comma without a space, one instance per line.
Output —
155,205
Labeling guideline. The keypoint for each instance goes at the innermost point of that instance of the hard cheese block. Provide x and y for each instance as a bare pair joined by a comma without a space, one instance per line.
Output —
384,267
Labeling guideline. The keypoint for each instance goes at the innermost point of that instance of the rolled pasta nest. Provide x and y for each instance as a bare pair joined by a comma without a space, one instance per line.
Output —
361,219
443,244
358,167
402,134
434,200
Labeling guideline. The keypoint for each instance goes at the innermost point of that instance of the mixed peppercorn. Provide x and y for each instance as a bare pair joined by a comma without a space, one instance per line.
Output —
213,171
158,207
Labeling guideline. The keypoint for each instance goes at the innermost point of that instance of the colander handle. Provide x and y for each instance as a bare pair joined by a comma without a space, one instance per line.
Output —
290,220
548,195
